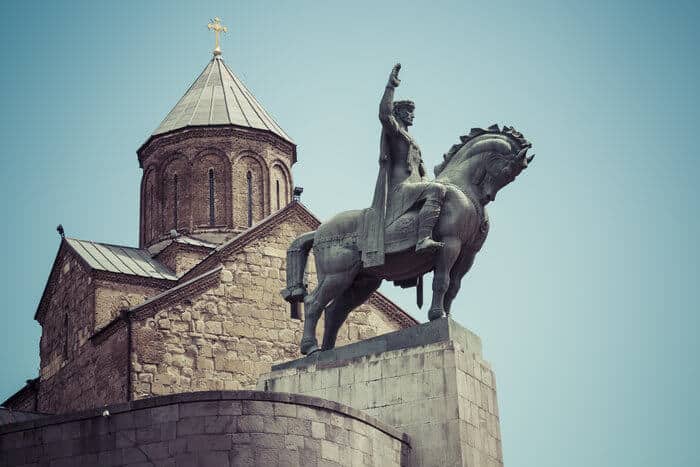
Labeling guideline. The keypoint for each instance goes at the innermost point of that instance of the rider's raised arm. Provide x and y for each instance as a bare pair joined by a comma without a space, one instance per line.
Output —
386,105
386,110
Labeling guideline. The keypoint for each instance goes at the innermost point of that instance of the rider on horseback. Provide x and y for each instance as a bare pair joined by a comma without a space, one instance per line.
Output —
402,181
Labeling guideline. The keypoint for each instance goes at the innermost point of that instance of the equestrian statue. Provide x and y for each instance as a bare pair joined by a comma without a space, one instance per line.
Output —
414,226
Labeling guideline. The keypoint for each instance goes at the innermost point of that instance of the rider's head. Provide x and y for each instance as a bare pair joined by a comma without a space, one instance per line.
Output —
403,111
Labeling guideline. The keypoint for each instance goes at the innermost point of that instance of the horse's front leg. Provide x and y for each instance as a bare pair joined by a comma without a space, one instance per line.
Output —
444,260
461,267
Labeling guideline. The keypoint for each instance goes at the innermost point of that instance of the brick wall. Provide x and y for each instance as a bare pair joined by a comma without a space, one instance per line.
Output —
232,154
221,171
208,429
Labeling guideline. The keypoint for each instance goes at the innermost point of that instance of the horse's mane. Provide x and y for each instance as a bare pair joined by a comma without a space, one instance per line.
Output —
508,131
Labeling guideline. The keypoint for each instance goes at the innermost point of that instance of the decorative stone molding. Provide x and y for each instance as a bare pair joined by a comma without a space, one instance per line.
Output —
157,142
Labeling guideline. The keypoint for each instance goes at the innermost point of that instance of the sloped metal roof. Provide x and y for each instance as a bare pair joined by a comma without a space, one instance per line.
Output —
218,97
120,259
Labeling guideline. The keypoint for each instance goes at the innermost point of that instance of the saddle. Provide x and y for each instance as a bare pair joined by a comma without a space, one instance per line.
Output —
402,234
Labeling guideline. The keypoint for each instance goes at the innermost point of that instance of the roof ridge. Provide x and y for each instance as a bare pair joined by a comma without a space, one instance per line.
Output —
223,90
246,92
182,98
105,244
267,115
175,289
199,99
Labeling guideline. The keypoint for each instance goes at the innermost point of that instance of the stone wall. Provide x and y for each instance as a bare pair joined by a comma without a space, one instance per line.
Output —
67,318
228,335
8,416
75,373
212,429
180,258
79,368
26,399
95,376
429,381
112,297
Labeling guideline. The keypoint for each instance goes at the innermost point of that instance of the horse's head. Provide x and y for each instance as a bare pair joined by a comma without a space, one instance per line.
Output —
485,161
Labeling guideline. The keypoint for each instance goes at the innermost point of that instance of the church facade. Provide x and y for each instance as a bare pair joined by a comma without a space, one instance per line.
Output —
196,306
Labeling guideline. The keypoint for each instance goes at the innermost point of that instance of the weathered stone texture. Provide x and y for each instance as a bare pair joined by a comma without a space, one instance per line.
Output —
111,298
25,399
75,372
442,394
227,336
78,372
180,258
208,430
67,319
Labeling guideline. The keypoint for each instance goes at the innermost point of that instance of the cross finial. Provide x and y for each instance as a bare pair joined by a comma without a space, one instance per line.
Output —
215,25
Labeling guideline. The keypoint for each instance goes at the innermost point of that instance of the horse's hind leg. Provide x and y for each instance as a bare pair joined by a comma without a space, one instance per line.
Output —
329,287
338,311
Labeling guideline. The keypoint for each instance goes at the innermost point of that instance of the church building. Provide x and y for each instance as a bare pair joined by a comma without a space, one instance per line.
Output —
196,305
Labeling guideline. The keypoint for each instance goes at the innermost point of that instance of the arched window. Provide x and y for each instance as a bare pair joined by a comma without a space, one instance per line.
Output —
211,193
175,201
249,180
280,195
212,218
150,231
150,207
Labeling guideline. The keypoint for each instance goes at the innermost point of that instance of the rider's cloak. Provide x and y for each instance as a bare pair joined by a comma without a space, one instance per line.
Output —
372,240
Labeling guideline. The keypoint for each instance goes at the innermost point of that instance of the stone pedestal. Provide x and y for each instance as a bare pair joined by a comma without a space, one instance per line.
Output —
428,381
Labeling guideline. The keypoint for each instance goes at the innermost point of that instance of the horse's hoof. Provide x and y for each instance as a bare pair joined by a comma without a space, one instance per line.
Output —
308,347
435,313
309,350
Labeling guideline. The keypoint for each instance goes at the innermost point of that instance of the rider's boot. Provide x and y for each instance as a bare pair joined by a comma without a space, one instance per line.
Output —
427,217
428,244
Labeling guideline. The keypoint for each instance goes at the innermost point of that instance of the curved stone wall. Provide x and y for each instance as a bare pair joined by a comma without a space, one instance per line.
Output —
228,428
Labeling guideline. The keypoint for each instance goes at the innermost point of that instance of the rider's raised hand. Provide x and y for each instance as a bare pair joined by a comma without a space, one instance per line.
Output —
394,80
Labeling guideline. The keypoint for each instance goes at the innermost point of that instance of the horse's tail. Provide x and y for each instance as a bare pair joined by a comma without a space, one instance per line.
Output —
297,254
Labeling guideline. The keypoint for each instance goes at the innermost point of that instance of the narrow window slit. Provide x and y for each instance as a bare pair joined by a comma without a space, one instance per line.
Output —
249,179
212,218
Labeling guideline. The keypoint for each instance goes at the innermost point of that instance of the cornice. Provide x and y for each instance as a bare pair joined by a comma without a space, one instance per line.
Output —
157,142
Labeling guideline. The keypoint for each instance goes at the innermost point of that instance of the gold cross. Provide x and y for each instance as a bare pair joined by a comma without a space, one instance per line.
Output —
215,25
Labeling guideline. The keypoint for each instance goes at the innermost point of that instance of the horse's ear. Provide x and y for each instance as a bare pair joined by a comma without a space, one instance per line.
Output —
478,176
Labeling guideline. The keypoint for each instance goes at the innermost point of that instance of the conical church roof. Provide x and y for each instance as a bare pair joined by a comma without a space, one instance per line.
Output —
218,97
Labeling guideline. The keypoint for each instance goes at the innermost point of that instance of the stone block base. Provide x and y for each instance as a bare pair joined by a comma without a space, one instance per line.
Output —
428,381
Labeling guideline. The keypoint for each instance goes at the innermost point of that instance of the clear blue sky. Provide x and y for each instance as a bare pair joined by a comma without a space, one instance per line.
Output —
586,292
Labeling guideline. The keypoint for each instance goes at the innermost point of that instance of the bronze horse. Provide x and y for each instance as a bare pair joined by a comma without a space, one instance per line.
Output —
474,170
